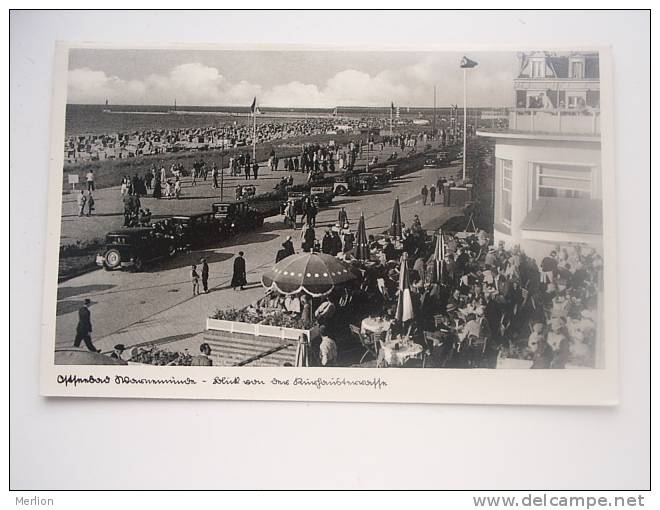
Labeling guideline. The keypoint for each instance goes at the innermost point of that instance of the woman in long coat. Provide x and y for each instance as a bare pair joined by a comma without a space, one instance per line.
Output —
239,278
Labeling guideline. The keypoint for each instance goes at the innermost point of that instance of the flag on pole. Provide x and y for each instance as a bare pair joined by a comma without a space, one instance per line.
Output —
404,306
253,107
467,63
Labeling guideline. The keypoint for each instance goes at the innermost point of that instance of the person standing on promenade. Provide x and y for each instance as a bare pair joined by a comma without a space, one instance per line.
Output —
424,193
247,171
90,180
82,200
90,204
255,170
432,194
214,175
238,279
84,328
194,277
205,276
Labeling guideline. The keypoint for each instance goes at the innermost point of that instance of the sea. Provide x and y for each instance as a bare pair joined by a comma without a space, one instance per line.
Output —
104,119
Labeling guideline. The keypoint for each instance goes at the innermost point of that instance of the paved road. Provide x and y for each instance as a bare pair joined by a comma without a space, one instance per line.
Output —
157,305
109,209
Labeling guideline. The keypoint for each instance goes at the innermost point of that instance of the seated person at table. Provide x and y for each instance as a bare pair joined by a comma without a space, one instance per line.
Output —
389,250
325,311
327,349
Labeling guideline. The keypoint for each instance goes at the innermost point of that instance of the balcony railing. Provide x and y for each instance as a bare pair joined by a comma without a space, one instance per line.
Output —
555,121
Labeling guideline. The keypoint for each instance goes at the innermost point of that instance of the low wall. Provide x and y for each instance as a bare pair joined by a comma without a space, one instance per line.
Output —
256,329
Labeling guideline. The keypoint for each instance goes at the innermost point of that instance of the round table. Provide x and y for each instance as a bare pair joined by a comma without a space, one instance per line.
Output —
374,325
398,357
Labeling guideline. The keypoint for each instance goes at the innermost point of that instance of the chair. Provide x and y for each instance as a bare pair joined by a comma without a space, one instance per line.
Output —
369,347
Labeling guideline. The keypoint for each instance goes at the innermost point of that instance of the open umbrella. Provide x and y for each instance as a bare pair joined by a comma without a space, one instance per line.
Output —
439,254
361,241
395,227
404,308
302,353
315,274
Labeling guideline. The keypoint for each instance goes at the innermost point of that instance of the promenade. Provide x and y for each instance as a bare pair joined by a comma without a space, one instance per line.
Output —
156,306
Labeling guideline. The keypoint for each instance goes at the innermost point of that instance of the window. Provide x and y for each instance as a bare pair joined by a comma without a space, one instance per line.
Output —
506,166
577,69
563,181
538,69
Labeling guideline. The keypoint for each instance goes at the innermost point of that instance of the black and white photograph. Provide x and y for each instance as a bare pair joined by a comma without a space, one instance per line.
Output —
331,249
357,209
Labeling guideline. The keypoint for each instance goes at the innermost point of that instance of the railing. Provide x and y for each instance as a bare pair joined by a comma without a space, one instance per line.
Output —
557,120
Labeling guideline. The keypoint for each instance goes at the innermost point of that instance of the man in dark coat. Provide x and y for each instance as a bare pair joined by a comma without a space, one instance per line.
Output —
336,243
288,246
239,277
255,170
205,276
327,242
84,328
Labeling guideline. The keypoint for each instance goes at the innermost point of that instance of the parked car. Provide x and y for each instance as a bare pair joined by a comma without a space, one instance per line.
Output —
381,175
367,181
195,230
132,248
346,185
297,197
236,217
322,194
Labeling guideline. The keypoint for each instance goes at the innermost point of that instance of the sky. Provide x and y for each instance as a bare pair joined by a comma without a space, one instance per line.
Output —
303,79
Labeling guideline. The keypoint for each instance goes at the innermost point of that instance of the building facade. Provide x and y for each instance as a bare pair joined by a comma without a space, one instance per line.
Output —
548,167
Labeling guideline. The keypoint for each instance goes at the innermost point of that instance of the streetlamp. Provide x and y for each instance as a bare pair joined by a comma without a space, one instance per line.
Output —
466,64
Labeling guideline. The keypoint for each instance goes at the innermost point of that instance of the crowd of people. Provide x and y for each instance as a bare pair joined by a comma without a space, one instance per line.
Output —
480,302
228,134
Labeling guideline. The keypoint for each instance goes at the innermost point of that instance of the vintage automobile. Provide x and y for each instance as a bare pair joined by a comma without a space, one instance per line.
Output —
195,230
245,191
323,195
298,198
233,217
367,181
381,175
346,185
132,248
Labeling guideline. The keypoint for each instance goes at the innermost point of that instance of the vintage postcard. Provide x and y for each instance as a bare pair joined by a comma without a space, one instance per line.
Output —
340,224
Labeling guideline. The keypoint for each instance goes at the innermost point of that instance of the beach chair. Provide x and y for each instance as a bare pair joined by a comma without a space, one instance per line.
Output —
365,341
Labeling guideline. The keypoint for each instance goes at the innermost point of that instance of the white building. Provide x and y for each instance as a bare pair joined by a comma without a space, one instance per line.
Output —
548,165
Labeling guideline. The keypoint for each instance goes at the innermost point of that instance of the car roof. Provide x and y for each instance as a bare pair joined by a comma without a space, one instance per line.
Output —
129,231
194,215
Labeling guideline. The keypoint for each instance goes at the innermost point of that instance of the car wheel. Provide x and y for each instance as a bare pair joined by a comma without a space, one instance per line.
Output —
112,259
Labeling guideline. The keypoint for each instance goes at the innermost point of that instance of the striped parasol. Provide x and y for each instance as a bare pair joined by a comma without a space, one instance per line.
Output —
302,353
395,227
404,307
361,241
315,274
439,254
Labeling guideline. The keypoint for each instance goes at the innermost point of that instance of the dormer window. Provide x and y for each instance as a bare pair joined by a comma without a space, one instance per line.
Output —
576,68
538,68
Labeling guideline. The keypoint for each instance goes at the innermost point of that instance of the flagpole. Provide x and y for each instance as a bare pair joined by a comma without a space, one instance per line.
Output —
391,113
464,119
254,134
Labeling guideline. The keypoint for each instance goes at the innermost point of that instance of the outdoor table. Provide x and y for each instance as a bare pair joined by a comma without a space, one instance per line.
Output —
398,357
374,325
